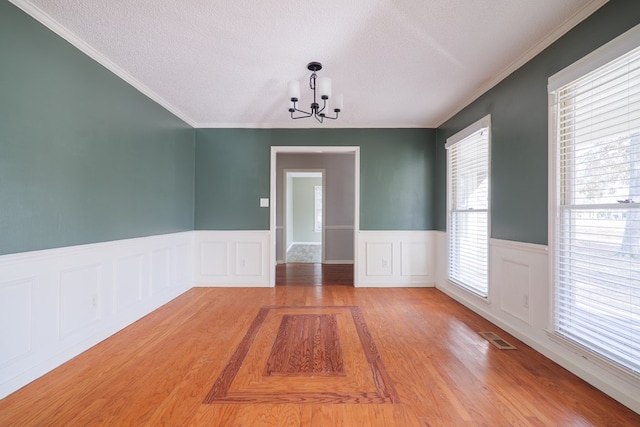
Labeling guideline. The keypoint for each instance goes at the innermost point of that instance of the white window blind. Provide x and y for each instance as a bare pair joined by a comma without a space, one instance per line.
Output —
468,216
597,212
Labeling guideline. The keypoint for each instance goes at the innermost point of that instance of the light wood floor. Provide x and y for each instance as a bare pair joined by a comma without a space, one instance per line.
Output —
410,357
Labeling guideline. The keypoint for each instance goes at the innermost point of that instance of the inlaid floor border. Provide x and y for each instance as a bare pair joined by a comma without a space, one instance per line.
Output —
384,393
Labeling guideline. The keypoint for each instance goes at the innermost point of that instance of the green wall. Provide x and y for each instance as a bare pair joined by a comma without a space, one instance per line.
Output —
84,157
519,115
396,175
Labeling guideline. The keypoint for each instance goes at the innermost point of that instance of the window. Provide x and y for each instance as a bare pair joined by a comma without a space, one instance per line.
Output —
595,227
317,208
468,207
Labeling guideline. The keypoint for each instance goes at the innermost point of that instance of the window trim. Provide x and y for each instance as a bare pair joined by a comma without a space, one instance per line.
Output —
484,122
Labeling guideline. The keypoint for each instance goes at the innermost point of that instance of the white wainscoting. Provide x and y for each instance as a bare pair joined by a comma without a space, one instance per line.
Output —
55,304
395,259
232,258
520,303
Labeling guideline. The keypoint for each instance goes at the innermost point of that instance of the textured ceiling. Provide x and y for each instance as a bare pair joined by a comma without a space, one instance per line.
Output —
226,63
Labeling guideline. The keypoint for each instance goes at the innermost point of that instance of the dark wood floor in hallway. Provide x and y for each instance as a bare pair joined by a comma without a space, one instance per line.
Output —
308,274
400,357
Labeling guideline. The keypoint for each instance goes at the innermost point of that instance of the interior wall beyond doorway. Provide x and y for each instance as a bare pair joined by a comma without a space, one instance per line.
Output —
339,201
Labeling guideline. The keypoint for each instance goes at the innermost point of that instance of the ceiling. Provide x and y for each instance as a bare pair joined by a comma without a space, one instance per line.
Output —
227,63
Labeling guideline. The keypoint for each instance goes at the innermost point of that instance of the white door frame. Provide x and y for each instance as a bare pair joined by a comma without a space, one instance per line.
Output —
275,150
285,205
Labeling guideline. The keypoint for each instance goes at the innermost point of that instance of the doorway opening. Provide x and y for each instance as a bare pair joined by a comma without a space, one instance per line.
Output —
304,216
338,200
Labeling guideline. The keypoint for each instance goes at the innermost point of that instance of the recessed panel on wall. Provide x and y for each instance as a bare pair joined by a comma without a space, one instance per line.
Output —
128,281
15,319
182,266
415,259
249,258
379,258
79,299
213,258
515,289
160,271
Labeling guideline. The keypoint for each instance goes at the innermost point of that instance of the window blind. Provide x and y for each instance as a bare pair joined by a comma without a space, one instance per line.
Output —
597,217
468,182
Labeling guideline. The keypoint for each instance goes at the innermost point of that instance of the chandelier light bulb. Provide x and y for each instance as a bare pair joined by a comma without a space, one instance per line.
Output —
338,101
294,90
324,87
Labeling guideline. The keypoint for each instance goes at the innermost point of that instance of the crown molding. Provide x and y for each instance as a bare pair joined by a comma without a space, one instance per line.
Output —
527,56
312,125
46,20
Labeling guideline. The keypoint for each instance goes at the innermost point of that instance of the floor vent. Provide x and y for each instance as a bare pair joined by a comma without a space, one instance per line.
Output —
497,341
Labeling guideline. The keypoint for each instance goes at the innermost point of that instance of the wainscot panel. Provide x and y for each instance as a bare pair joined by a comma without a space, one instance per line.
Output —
56,303
396,259
232,258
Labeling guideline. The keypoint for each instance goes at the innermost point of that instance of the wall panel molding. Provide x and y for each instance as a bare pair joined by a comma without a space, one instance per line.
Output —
232,258
16,306
396,259
56,303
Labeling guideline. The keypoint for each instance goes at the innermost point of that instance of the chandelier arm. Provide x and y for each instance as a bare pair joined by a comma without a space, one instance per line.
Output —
295,108
332,118
301,117
324,106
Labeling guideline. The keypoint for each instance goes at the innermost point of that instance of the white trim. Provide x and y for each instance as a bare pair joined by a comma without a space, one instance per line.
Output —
275,150
84,47
527,56
311,125
612,50
587,354
524,246
484,122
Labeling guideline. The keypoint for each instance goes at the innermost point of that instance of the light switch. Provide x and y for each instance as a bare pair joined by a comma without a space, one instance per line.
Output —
264,203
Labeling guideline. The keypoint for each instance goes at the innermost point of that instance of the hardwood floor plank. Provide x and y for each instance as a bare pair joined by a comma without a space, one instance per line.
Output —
159,370
306,345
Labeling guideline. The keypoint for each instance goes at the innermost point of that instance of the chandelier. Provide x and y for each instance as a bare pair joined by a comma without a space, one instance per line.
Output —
321,86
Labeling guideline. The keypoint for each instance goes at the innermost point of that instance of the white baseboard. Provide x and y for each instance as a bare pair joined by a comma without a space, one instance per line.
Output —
232,258
520,302
395,259
57,303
